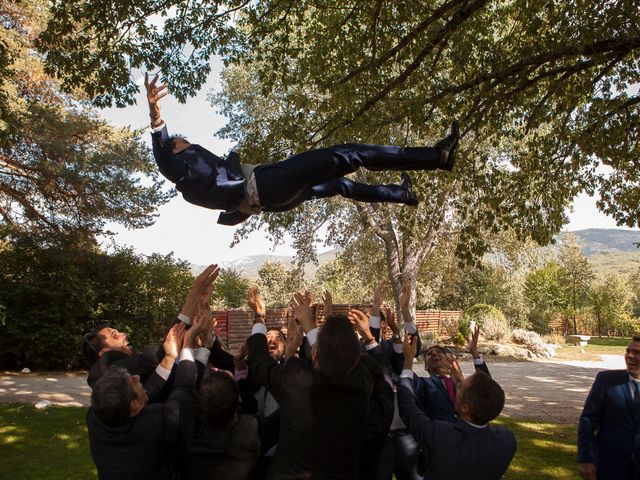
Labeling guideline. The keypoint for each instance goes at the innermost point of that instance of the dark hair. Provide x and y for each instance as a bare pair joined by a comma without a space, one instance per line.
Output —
175,136
218,397
279,330
93,342
484,396
636,338
435,347
337,346
111,397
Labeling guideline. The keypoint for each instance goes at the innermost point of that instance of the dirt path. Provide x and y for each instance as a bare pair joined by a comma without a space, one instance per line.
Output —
536,390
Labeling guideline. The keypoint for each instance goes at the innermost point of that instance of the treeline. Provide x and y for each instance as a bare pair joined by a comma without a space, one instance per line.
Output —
52,292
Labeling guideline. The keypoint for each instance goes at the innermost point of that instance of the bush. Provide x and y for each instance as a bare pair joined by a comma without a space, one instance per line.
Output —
493,325
627,325
530,340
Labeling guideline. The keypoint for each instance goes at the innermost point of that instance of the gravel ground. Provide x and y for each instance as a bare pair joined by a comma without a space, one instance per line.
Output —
535,390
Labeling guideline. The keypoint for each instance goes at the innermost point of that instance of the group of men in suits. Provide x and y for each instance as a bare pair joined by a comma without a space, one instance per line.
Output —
332,396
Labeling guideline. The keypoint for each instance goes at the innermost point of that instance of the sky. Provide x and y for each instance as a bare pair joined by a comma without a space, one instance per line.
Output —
191,232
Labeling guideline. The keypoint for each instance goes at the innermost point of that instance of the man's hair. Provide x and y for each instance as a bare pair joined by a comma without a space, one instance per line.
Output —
484,396
279,330
636,338
175,136
337,346
111,397
218,397
93,342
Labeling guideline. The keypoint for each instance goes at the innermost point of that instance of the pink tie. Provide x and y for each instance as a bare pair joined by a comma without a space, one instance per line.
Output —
449,384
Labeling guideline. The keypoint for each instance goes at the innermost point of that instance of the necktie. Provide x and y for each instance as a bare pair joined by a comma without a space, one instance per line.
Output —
449,384
636,395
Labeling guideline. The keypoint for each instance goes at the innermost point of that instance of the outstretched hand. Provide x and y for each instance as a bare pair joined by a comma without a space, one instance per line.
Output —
255,302
173,340
154,94
452,368
473,342
359,320
405,296
295,338
200,290
301,309
327,302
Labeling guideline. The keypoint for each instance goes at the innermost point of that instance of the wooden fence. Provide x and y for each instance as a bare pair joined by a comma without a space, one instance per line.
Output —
234,326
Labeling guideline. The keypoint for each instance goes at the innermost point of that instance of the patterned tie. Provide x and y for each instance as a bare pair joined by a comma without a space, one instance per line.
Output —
449,384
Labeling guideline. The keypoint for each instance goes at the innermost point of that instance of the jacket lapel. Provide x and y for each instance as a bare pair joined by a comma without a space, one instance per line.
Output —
634,406
440,386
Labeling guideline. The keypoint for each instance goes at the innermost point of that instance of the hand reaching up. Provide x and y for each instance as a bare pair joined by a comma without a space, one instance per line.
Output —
301,309
327,302
294,338
360,320
255,302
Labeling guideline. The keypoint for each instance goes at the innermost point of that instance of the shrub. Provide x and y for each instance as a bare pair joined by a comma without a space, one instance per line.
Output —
493,325
627,325
530,340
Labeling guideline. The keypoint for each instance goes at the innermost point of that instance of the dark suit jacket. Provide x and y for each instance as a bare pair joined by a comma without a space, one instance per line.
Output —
143,448
434,399
322,420
456,450
213,452
609,427
143,364
203,178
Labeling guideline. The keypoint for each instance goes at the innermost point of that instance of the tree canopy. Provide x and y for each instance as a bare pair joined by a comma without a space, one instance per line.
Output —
546,93
62,167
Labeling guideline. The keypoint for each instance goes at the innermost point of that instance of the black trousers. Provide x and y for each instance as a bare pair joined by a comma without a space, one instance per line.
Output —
319,174
400,456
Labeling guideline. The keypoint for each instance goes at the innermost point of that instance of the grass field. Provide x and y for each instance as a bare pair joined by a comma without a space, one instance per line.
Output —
597,346
52,444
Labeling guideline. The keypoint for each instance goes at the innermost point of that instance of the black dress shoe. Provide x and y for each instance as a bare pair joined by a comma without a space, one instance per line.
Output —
406,183
448,146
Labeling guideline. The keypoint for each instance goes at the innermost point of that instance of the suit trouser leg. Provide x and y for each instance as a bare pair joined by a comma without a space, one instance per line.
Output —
285,184
360,191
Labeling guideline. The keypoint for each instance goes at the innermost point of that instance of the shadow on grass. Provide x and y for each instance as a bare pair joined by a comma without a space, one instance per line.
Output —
545,450
44,444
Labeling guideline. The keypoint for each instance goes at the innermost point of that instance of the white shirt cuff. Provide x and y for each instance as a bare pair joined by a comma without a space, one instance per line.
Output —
184,319
478,361
406,373
397,347
370,346
202,355
259,328
374,322
312,335
187,354
410,327
163,372
158,128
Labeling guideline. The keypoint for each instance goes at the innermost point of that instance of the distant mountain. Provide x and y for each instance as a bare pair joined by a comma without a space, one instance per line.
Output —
249,266
607,240
607,249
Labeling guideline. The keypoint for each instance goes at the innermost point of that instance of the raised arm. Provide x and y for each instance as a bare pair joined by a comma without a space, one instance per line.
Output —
154,94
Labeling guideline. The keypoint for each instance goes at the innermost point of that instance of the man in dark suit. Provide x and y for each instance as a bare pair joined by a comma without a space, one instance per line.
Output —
215,441
468,447
323,403
609,427
242,190
129,438
437,392
106,346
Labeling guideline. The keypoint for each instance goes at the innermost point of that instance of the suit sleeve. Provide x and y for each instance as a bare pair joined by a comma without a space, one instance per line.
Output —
589,421
220,358
181,394
170,166
265,369
419,424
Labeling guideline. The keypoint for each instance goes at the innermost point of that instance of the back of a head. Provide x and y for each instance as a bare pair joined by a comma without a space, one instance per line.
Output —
485,398
111,397
218,397
93,343
338,348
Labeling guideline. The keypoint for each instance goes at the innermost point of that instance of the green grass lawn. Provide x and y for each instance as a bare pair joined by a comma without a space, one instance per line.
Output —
52,444
597,346
44,444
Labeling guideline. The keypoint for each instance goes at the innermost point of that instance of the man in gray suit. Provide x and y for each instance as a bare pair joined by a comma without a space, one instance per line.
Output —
468,447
